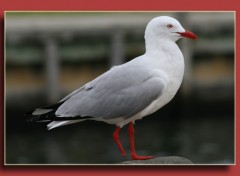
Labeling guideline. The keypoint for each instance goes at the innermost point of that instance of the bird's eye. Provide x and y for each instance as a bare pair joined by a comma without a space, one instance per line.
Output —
169,26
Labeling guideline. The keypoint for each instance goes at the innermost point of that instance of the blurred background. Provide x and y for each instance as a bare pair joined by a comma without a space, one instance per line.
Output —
48,55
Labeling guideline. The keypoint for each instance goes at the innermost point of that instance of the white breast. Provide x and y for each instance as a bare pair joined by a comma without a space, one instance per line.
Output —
173,68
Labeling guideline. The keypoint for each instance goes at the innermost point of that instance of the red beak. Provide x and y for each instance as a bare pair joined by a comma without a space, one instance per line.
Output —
188,34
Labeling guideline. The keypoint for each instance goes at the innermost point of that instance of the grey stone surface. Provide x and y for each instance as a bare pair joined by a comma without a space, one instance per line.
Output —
169,160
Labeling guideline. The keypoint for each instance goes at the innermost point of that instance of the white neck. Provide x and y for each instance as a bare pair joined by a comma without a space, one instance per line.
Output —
162,45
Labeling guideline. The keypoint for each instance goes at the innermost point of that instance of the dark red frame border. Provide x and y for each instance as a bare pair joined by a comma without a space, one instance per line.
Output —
123,5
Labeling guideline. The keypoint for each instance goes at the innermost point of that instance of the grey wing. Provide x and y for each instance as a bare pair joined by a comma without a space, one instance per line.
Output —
117,93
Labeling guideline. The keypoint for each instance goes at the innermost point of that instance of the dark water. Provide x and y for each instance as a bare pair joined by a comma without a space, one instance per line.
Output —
202,139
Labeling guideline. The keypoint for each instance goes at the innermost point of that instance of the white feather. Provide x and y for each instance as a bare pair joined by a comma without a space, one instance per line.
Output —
56,124
41,111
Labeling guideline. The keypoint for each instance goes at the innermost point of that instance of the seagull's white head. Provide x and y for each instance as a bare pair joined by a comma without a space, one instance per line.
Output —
166,28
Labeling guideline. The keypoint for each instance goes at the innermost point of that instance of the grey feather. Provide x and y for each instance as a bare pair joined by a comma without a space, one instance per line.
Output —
116,93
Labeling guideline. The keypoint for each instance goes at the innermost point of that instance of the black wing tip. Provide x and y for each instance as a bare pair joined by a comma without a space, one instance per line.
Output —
45,116
33,119
30,117
48,117
51,116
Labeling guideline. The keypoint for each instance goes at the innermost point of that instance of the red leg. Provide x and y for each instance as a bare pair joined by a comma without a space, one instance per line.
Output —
116,139
132,146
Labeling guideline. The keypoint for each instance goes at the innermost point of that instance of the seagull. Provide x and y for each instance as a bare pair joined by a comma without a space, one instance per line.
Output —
130,91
